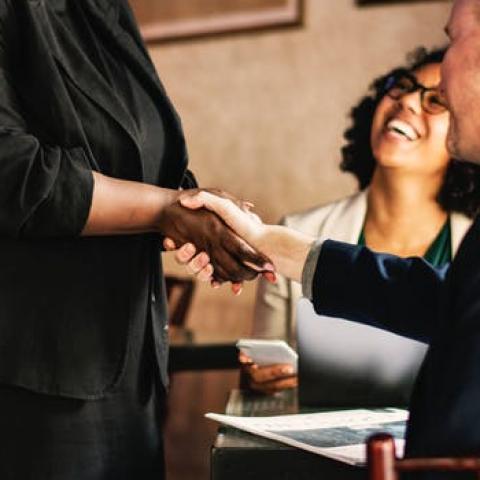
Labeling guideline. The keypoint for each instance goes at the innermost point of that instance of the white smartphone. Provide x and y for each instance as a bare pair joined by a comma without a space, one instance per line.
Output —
268,352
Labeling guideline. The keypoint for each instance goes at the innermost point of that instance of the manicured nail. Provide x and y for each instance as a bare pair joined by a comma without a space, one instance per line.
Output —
203,258
236,289
268,267
270,277
189,249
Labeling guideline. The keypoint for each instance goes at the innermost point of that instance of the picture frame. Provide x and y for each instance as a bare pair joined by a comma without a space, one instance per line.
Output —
388,2
169,20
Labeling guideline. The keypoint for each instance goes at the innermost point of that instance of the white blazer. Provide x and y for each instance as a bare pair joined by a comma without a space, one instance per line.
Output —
343,221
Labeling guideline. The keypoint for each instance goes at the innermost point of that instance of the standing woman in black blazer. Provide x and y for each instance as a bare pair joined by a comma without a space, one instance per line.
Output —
92,157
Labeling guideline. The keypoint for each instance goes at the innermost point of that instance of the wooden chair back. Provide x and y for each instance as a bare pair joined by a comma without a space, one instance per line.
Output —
383,463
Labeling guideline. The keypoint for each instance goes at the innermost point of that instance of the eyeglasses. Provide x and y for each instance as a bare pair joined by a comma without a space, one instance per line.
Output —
403,83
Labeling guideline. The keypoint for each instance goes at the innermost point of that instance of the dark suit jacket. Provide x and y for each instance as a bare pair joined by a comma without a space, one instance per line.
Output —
70,306
411,298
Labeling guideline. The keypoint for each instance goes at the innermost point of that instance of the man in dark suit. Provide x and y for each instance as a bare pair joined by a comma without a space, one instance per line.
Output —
407,296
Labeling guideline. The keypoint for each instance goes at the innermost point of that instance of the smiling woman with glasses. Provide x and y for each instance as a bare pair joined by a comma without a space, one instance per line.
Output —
459,191
414,200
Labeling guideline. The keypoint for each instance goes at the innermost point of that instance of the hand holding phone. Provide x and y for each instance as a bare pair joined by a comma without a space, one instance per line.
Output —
268,352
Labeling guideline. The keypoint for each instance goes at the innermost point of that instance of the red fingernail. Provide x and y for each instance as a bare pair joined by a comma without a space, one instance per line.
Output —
270,277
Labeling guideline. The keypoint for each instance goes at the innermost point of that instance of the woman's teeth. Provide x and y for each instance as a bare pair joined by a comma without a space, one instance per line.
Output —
403,128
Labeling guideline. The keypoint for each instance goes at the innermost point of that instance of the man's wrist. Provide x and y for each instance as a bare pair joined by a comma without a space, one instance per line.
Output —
287,248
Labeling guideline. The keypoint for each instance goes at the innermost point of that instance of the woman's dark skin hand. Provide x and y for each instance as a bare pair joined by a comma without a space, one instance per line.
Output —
226,251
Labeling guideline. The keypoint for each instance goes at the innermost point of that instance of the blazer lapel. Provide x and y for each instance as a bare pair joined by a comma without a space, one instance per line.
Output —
115,20
76,65
346,221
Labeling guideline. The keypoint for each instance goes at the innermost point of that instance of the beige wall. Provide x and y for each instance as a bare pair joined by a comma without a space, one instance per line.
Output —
264,112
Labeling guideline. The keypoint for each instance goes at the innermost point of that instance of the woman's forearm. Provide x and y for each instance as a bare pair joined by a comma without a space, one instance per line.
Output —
125,207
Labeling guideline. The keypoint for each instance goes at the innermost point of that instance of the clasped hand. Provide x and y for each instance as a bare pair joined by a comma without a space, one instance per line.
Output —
223,254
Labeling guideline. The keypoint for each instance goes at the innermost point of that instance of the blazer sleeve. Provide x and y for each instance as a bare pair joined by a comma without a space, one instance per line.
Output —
189,181
402,295
46,189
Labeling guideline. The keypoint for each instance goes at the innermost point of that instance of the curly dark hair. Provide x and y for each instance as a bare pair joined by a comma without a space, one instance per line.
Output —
460,190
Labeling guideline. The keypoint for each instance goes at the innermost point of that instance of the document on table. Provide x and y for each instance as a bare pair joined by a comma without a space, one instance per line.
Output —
339,434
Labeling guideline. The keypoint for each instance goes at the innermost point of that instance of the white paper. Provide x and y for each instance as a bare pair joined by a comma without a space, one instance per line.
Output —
340,435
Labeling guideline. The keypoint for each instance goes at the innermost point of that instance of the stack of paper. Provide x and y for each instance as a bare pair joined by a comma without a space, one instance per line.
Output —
339,434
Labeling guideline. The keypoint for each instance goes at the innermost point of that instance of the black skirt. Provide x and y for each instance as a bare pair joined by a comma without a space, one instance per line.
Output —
116,438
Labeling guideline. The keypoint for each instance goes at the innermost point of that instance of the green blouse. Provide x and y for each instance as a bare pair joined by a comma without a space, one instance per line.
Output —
440,251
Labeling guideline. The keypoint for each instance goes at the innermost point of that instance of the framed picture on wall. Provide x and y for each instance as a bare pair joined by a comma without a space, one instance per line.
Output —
165,20
386,2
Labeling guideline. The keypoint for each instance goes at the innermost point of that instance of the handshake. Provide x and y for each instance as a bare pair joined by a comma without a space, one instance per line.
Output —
221,240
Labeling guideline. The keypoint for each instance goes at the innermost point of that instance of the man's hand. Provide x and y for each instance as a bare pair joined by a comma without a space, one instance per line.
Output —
225,250
287,248
243,222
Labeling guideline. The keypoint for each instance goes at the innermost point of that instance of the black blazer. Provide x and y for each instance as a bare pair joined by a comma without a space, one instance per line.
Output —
69,306
409,297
